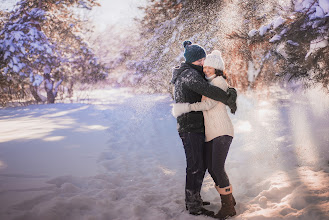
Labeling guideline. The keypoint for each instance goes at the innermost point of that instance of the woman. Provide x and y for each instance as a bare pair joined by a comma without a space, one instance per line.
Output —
219,131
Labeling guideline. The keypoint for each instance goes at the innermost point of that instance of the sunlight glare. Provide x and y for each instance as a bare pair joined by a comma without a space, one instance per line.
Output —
2,165
304,144
86,128
242,127
167,171
62,113
29,128
314,181
319,102
54,138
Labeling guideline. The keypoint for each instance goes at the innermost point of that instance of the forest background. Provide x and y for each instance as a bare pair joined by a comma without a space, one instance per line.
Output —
51,49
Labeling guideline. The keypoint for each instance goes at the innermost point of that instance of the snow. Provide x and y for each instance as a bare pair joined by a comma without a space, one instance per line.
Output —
319,12
120,157
17,35
23,50
12,48
324,4
10,64
36,12
16,69
252,71
263,29
15,60
252,33
316,44
36,79
277,22
48,85
49,51
7,53
307,3
47,69
38,46
276,37
319,8
33,34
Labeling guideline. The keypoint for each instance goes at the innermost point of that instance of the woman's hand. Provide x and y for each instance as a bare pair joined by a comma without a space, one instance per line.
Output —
180,108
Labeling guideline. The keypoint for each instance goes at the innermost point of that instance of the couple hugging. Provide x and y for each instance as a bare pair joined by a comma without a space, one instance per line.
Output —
201,95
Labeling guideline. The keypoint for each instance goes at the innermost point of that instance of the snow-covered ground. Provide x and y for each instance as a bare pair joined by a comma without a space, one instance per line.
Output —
120,157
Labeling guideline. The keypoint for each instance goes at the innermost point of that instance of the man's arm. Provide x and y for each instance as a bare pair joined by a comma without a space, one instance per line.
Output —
199,85
204,105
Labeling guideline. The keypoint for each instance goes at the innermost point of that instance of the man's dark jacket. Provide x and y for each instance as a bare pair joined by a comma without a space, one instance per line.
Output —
190,85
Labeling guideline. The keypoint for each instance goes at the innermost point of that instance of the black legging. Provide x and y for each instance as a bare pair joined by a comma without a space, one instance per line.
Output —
215,155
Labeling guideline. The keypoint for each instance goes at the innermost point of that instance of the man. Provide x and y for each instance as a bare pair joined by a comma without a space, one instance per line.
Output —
190,85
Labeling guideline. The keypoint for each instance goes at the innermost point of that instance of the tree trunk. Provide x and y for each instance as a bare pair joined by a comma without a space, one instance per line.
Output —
50,97
35,94
70,89
49,85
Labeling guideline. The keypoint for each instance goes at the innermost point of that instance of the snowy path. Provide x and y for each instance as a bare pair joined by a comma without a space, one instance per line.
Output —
121,158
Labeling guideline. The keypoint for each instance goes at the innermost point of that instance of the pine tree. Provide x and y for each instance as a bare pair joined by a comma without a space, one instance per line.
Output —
299,43
41,42
185,20
251,57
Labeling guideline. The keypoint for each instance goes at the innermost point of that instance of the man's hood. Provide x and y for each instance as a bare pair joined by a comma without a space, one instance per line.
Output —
179,69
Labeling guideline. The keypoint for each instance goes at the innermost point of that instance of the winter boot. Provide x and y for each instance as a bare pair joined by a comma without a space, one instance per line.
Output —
234,202
203,211
204,203
227,209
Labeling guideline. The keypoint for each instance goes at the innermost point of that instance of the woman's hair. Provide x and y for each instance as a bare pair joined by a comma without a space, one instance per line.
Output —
220,73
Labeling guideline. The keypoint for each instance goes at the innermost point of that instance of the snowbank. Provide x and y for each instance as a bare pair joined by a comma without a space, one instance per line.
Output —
120,157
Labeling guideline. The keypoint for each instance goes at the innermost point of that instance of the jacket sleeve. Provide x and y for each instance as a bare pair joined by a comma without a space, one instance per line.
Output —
204,105
196,83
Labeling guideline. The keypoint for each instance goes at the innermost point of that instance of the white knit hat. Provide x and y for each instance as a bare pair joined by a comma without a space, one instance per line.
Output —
215,60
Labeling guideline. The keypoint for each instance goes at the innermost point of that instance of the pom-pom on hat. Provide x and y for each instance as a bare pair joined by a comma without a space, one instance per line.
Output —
193,52
215,60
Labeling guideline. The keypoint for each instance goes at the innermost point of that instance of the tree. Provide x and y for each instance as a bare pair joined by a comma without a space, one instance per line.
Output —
258,40
210,24
115,46
252,59
157,13
167,24
8,89
298,41
41,42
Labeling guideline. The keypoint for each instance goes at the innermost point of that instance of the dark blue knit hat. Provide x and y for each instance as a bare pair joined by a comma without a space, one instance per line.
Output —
193,52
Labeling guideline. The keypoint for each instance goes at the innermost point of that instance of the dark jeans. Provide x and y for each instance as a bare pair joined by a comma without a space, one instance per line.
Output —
195,168
215,155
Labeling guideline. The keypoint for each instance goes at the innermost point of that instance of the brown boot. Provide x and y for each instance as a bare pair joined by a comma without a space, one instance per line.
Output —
227,209
234,202
228,202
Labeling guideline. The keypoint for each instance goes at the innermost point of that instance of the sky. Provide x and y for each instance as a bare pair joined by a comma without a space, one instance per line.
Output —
117,12
111,12
7,4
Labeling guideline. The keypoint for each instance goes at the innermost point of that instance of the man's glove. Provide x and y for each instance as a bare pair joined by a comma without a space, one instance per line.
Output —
180,108
231,101
233,108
